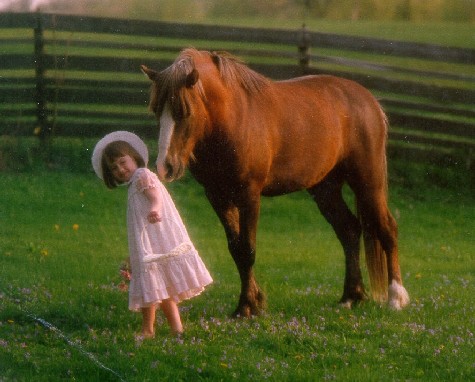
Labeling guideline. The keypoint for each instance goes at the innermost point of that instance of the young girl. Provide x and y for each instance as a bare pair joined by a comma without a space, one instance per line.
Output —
155,231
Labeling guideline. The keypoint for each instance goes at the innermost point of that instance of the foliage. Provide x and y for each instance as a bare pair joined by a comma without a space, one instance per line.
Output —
72,155
199,10
19,154
381,10
62,240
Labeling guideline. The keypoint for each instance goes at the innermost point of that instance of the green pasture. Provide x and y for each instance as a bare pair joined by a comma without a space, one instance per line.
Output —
63,236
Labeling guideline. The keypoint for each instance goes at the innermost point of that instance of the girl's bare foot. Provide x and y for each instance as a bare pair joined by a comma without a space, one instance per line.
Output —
147,335
177,333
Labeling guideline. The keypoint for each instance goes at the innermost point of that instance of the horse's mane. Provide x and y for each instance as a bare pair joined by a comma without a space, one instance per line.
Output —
171,80
234,71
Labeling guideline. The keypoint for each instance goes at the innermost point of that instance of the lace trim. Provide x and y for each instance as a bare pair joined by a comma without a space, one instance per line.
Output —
180,249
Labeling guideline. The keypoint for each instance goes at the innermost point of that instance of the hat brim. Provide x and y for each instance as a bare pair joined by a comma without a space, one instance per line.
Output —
125,136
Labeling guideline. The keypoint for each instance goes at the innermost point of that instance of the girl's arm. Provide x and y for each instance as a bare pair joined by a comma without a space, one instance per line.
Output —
153,196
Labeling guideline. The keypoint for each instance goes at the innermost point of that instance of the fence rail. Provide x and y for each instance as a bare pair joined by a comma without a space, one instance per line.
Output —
79,76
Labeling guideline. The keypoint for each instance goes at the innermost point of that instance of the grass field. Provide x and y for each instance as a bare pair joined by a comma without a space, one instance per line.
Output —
63,236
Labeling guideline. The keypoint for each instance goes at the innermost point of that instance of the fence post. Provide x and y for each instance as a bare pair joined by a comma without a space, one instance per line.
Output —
42,129
304,48
469,161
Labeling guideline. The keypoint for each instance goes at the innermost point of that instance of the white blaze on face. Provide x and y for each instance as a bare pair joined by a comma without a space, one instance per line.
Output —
167,124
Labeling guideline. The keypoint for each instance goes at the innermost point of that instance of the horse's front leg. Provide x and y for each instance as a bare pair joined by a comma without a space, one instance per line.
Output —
252,299
240,225
243,251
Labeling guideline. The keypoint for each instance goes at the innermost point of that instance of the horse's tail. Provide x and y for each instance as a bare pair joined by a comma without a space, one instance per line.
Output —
376,264
376,261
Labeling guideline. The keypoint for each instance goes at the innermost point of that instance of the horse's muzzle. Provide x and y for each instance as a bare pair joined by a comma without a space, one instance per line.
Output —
169,172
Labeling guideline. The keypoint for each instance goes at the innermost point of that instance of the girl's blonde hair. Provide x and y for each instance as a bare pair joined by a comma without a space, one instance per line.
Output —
112,151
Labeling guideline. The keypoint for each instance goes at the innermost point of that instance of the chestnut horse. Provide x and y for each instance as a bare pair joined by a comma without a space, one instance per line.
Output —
243,135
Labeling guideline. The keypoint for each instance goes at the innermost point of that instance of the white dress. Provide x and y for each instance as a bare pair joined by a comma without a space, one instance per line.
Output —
179,276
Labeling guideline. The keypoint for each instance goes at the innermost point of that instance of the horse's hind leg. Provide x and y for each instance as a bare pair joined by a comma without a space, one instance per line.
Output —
378,221
328,196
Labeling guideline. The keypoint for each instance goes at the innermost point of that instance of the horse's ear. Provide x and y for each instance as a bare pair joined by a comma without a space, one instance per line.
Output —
151,74
192,78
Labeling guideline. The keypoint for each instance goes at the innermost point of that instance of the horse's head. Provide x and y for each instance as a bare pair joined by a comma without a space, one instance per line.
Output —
178,102
191,95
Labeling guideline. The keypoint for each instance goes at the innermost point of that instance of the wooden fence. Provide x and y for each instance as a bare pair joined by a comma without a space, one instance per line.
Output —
79,76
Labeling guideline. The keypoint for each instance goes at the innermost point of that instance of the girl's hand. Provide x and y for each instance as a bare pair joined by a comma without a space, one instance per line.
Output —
153,196
154,217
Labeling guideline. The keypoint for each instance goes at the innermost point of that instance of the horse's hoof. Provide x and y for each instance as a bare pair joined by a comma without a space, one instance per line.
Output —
349,301
252,305
242,312
398,296
348,304
248,310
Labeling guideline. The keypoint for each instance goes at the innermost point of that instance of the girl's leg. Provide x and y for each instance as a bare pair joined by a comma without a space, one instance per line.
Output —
148,321
170,309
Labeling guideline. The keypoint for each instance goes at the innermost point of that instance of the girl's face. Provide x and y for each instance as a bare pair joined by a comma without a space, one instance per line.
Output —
123,168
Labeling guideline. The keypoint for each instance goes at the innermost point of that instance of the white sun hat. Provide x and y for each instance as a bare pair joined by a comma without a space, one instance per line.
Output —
125,136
